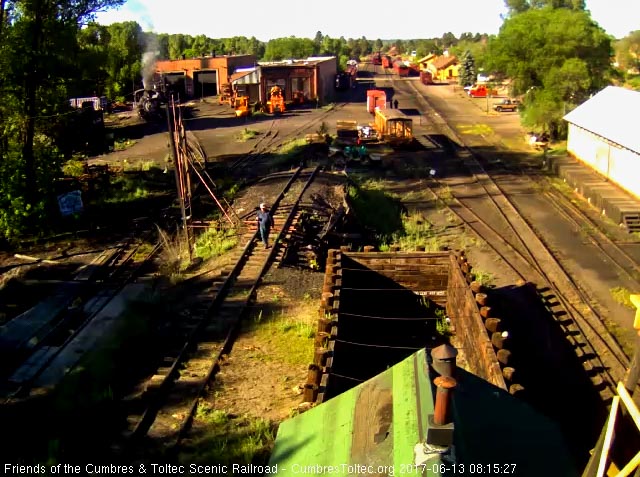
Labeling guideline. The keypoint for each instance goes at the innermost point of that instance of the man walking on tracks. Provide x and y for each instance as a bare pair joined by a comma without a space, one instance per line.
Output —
265,222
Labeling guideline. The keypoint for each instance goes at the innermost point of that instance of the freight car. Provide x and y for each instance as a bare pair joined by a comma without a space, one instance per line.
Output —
376,99
400,68
393,126
386,61
426,77
376,58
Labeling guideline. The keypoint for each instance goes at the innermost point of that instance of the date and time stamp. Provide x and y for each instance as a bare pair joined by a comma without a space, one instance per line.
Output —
431,468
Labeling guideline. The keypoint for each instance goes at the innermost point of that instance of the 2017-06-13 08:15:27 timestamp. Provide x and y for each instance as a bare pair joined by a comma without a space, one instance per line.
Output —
468,469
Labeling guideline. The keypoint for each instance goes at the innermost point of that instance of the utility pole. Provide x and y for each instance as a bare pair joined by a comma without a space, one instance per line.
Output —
177,165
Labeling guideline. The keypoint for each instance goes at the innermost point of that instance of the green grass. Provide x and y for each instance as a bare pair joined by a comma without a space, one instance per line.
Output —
475,129
289,153
622,296
122,144
214,242
246,135
73,168
288,338
229,439
376,209
484,278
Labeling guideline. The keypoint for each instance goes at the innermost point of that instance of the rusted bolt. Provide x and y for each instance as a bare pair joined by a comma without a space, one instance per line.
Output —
345,248
420,248
369,248
444,390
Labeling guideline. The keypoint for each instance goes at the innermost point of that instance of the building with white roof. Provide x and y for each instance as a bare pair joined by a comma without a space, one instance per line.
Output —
604,134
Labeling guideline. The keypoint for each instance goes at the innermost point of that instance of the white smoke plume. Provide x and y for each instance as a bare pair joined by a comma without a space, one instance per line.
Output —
149,67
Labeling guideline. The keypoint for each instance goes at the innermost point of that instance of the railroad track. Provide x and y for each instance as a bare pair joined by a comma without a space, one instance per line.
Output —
160,411
526,253
615,254
273,138
38,344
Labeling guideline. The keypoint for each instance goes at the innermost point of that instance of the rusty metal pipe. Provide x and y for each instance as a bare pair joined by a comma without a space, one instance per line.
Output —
444,390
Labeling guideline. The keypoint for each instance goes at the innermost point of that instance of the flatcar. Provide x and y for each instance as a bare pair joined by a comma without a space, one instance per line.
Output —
393,126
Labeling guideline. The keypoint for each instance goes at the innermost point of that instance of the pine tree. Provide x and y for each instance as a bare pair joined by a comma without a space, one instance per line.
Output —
468,69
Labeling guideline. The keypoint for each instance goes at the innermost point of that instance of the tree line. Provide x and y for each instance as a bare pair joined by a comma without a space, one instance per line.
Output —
110,57
553,53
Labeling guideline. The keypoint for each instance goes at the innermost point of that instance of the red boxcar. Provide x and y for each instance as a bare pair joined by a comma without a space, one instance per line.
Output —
376,99
376,59
386,61
426,77
401,69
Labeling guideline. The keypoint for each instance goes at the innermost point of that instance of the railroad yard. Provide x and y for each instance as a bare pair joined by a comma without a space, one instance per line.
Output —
145,362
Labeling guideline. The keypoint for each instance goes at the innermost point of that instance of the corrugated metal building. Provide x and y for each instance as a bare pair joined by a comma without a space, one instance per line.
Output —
604,135
197,77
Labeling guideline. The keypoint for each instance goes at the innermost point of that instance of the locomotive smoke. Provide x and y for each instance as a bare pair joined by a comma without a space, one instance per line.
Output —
149,57
148,67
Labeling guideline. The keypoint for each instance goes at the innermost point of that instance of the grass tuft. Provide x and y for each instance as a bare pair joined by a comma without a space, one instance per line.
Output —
623,296
214,242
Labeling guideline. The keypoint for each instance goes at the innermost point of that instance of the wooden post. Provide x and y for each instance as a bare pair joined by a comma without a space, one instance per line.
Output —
493,324
420,248
499,340
516,389
320,357
321,338
485,312
369,248
314,373
394,248
509,373
633,373
504,356
310,392
481,299
476,287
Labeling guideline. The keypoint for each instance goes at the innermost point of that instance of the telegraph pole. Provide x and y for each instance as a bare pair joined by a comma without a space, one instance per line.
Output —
177,171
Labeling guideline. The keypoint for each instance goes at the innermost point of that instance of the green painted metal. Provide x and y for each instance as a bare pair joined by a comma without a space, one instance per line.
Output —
322,438
495,433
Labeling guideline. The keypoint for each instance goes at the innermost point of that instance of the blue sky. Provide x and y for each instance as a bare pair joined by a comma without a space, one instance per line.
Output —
348,18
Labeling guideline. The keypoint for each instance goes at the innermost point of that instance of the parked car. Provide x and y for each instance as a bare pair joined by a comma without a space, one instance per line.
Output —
507,105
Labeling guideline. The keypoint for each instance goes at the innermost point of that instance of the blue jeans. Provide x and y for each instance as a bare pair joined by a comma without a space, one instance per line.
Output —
264,235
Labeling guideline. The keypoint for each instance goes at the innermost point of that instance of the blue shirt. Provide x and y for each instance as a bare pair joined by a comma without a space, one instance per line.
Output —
264,219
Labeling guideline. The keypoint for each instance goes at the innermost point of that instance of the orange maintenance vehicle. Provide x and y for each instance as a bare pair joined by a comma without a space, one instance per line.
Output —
276,100
243,107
